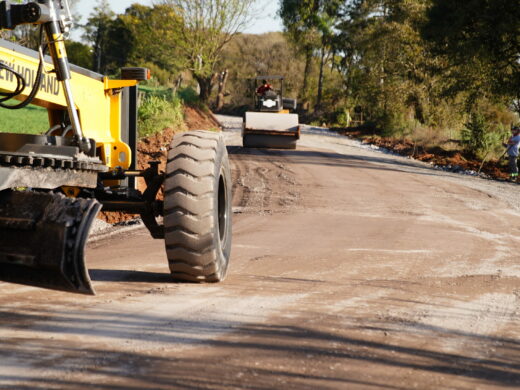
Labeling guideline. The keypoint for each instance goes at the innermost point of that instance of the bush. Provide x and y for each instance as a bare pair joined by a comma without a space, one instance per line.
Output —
393,124
479,138
160,91
189,96
473,136
159,112
342,118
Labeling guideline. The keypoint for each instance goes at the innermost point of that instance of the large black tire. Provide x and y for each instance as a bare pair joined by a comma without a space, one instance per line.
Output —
268,141
197,207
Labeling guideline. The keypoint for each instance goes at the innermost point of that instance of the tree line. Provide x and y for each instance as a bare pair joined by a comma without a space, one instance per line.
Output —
403,64
409,62
171,37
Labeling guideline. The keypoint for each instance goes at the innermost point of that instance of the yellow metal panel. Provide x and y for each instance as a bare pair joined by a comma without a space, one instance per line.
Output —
116,84
97,101
50,89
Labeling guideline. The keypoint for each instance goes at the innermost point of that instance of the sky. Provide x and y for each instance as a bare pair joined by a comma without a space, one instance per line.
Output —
267,23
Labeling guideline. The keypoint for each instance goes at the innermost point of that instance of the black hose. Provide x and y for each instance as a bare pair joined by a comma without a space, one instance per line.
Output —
21,84
54,129
19,87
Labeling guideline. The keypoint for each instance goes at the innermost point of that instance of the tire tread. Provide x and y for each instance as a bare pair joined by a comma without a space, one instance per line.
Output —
189,190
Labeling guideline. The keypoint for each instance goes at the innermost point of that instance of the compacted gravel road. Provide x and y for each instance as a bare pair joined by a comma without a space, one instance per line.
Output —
351,269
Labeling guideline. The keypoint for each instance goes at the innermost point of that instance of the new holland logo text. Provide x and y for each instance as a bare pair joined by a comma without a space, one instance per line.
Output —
49,83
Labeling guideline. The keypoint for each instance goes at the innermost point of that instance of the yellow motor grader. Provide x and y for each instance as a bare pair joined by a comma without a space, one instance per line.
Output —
53,185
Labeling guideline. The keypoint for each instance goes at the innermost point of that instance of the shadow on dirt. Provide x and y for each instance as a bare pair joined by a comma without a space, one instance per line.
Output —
333,159
106,368
106,275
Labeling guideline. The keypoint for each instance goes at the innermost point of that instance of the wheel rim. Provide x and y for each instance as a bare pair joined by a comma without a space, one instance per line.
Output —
222,209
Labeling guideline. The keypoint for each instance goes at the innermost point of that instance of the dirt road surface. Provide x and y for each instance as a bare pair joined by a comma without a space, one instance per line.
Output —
351,269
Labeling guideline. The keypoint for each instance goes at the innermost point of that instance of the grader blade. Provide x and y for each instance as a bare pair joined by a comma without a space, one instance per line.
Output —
42,240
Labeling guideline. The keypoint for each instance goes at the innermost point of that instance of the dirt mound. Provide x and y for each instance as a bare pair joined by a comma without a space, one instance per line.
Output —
155,148
454,160
198,119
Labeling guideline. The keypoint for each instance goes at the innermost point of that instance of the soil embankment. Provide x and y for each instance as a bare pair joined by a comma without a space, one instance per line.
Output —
452,158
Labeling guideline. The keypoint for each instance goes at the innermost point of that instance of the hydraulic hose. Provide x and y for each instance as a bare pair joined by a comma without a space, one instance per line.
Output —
21,84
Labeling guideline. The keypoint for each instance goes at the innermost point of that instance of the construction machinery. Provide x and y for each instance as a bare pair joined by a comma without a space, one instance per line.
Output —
271,125
53,185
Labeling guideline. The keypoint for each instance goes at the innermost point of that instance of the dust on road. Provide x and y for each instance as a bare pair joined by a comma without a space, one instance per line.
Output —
350,269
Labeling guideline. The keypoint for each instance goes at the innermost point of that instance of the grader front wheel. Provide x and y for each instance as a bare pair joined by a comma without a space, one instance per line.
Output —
197,207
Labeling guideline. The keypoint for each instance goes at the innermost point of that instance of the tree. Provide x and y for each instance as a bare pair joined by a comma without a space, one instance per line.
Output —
79,54
295,15
382,58
250,55
155,37
222,82
310,24
207,26
110,39
97,33
480,36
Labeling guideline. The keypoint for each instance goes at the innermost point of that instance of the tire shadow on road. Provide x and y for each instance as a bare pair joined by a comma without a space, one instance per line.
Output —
111,275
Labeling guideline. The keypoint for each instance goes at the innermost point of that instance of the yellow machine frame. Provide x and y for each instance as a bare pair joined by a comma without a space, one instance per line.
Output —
98,100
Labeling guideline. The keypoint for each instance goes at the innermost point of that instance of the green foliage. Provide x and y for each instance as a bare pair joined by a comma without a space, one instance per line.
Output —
480,138
481,38
189,96
474,134
310,24
100,34
206,28
157,91
384,62
400,80
343,118
79,54
159,111
394,123
141,35
155,39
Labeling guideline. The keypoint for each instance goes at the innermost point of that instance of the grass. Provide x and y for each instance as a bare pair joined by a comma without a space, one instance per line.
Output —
158,112
159,108
28,120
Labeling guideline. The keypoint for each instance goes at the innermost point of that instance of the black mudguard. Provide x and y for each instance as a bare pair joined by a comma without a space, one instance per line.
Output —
42,240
